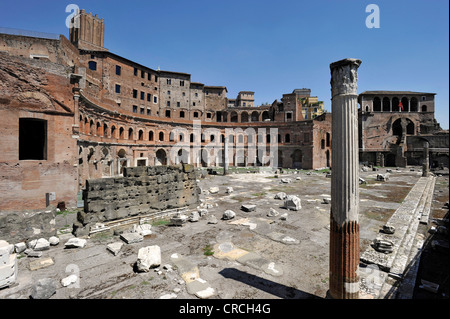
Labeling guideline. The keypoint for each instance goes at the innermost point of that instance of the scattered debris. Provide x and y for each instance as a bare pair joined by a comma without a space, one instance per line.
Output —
292,202
148,257
115,248
228,214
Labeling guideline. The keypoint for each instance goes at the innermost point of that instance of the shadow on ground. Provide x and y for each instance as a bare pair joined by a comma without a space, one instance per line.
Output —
266,285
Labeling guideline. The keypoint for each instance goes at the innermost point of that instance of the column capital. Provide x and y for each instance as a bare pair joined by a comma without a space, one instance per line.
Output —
344,77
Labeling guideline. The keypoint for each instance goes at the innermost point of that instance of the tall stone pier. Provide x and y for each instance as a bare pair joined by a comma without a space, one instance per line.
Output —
426,159
344,227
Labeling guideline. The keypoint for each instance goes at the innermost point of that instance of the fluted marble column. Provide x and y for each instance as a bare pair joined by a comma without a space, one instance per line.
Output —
344,226
226,156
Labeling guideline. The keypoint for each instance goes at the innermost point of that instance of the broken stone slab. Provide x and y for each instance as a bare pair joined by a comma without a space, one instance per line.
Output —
280,195
41,263
214,190
114,248
283,238
362,181
65,282
326,200
229,190
272,213
194,217
31,253
75,243
131,238
200,288
292,202
178,220
40,244
20,247
286,180
228,214
248,207
284,216
43,289
143,230
148,257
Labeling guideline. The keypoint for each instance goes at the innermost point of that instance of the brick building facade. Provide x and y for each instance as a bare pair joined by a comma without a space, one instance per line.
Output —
96,112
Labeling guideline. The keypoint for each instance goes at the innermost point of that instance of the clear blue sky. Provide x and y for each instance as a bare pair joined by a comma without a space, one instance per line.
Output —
270,47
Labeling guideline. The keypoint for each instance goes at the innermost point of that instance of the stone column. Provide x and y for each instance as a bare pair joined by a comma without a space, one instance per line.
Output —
344,226
426,160
225,156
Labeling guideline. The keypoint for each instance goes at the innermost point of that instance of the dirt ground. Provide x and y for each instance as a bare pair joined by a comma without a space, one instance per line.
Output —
298,267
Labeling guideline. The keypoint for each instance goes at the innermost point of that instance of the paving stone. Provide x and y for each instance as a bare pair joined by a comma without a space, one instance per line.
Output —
40,263
131,238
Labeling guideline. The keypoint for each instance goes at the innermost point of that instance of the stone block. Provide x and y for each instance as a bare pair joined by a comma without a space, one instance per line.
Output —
248,207
114,248
228,214
292,203
40,263
131,238
75,243
148,257
43,289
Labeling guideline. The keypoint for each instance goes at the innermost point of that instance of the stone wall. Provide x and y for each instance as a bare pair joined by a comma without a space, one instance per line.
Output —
141,190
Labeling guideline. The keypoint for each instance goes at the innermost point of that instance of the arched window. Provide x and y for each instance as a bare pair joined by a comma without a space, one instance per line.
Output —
424,108
150,136
255,116
413,104
113,131
161,136
322,144
233,117
386,104
141,135
377,104
121,132
130,134
244,117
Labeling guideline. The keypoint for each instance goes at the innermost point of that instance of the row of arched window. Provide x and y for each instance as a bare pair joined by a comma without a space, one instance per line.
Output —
242,117
395,104
96,128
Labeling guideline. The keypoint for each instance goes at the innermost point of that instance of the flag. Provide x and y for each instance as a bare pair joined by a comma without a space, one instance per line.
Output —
400,106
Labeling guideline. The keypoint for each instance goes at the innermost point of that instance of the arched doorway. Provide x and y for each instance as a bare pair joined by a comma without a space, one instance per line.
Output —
233,117
161,158
376,104
255,116
265,116
397,129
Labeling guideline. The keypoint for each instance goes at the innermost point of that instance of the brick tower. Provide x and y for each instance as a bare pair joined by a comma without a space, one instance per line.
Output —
88,31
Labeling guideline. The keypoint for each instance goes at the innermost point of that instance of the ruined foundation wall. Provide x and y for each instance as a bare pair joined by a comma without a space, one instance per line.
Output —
141,190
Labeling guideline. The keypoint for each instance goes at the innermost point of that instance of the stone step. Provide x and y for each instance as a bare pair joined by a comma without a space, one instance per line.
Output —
427,207
401,220
402,257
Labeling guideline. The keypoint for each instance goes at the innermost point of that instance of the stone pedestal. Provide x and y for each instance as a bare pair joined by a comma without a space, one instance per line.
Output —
8,264
344,227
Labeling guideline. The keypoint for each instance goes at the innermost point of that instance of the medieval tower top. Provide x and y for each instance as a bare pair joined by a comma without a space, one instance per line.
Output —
88,31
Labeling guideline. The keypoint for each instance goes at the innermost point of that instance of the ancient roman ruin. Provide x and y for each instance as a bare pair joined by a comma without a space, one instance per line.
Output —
122,181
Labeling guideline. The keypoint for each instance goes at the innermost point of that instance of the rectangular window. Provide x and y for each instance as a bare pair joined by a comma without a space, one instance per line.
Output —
118,70
169,81
135,108
196,94
289,116
168,103
142,110
92,65
117,88
167,113
149,97
178,104
142,96
195,114
135,92
142,74
149,77
149,111
155,99
32,139
135,71
193,103
208,115
181,83
156,78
